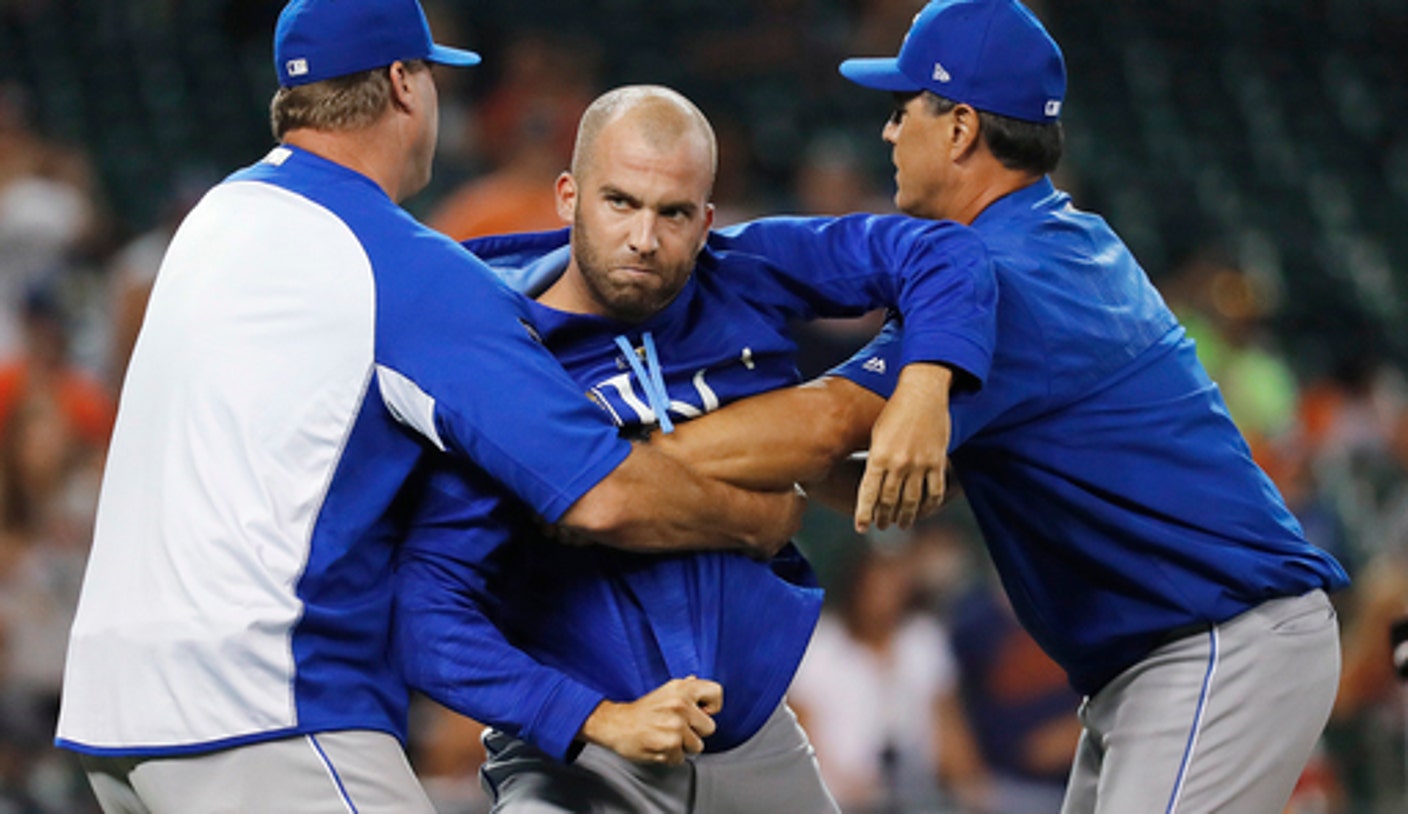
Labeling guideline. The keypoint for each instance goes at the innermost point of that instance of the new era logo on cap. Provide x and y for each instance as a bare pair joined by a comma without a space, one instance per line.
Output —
991,54
297,67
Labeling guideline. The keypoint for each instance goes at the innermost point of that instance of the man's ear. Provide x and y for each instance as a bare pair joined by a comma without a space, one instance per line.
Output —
566,194
967,131
708,224
402,94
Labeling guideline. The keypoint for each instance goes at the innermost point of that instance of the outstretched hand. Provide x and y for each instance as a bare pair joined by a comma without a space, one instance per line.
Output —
904,472
660,727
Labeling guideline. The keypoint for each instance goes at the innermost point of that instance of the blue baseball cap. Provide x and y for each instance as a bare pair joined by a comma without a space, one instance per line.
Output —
991,54
321,39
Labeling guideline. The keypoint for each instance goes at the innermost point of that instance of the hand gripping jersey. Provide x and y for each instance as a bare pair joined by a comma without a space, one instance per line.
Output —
308,348
529,635
1116,496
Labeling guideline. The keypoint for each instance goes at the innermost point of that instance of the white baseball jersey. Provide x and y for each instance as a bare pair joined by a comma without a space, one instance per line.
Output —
307,345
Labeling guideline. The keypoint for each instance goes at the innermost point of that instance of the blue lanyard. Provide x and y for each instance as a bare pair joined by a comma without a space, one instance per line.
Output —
650,377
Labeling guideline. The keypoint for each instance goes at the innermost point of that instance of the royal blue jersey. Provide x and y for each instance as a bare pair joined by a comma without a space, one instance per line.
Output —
1115,494
530,635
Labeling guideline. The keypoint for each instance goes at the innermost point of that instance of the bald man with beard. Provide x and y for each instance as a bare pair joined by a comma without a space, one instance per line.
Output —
621,682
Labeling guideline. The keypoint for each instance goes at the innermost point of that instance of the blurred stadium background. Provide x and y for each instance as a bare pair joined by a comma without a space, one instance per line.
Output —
1253,153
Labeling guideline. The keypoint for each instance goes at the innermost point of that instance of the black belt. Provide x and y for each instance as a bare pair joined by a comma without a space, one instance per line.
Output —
1173,634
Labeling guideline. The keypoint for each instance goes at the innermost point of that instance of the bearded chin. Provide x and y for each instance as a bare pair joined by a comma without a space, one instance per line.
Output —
629,301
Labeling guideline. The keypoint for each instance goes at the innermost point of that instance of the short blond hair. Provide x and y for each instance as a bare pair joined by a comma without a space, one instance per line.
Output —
343,103
666,116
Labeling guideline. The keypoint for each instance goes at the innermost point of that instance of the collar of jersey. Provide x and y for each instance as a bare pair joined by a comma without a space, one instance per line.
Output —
306,161
1014,204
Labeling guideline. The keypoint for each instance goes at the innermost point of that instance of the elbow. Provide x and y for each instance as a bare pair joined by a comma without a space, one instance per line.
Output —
841,423
592,515
605,514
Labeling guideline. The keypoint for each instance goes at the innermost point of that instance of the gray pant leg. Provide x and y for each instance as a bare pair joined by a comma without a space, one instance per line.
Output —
522,780
331,773
109,779
774,771
1222,721
1083,787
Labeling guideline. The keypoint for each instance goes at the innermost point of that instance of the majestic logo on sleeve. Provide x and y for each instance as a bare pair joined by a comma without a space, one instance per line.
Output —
875,364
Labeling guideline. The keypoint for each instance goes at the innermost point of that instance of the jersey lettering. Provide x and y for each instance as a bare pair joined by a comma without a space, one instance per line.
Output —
619,392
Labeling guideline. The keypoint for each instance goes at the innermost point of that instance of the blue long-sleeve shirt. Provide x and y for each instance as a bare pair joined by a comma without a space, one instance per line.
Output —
1116,496
528,635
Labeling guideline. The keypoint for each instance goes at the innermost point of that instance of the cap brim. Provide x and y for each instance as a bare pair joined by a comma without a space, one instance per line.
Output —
445,55
880,73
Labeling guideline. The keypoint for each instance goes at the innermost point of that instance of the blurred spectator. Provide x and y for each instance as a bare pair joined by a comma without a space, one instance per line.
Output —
54,425
48,496
42,372
528,122
447,753
736,194
132,271
1350,411
1318,791
1350,420
16,769
1224,310
780,42
1018,704
1291,465
1367,735
876,693
48,209
769,64
947,555
879,24
1391,490
831,180
1356,436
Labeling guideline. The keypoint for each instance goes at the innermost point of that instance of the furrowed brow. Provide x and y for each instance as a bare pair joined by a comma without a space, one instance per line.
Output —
612,191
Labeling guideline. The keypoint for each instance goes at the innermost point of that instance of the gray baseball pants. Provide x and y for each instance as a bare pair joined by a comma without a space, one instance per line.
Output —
355,772
773,771
1219,721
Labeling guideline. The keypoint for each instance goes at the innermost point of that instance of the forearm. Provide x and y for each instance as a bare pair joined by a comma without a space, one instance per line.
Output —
961,769
770,441
905,468
653,502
